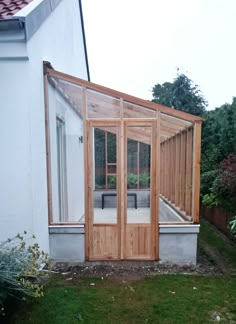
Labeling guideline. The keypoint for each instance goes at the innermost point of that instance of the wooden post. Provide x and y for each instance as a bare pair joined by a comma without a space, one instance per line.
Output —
86,180
189,157
177,168
121,175
196,171
158,182
48,152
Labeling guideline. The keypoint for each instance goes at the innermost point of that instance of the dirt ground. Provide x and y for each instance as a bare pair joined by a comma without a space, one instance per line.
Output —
131,270
209,262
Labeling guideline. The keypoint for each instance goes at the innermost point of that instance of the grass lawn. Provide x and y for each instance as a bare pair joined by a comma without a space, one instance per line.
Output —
225,250
160,299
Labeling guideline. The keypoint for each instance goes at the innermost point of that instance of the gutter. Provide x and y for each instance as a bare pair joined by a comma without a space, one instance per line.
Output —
12,29
84,38
21,29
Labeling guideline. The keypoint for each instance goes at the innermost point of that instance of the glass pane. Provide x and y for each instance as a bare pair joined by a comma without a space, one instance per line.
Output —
111,168
102,106
144,166
66,153
105,188
134,111
70,92
138,174
132,164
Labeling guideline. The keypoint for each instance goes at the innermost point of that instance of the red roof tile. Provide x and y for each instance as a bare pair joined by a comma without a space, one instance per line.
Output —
9,8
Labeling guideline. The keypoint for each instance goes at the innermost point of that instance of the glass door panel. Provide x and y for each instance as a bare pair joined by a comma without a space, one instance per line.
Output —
138,173
105,175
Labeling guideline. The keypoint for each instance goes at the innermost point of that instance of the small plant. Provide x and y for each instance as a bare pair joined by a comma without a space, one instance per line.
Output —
132,180
210,200
111,181
21,269
232,225
144,180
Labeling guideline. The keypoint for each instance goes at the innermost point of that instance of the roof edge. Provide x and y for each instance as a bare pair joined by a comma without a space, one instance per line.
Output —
84,38
12,29
27,24
149,104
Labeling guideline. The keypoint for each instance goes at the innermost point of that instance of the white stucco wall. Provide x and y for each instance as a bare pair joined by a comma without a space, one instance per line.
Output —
23,185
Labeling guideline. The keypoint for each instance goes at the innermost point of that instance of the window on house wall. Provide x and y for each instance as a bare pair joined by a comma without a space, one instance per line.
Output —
61,170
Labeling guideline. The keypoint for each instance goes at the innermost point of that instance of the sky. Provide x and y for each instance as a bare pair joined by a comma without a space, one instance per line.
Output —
134,44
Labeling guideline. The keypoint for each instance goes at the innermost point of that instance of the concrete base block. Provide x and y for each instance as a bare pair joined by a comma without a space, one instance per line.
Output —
67,244
178,244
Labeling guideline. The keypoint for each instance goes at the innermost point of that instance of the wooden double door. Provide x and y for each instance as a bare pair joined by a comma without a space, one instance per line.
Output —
121,221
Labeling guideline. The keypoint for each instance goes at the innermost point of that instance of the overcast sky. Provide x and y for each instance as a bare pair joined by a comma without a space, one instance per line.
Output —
134,44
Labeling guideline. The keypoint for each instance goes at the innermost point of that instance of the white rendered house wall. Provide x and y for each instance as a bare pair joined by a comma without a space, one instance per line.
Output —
58,40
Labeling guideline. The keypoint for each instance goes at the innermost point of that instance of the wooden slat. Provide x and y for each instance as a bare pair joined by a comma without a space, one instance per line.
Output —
118,94
172,151
138,241
183,170
196,171
189,163
105,243
177,174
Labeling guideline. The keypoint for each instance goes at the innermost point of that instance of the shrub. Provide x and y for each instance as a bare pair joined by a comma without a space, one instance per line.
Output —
111,181
21,269
208,179
226,185
132,180
100,180
144,180
210,200
232,225
219,187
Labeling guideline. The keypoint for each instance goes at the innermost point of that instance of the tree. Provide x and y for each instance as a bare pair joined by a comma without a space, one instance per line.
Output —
181,94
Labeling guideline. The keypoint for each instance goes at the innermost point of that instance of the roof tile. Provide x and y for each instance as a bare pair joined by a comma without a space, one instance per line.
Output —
9,8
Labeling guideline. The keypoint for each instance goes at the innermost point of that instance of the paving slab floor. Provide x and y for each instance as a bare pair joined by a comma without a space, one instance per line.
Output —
139,215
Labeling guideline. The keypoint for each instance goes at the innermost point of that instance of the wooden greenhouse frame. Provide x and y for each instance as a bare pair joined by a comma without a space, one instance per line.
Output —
175,139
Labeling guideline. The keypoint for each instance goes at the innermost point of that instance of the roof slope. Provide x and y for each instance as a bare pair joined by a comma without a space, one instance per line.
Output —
9,8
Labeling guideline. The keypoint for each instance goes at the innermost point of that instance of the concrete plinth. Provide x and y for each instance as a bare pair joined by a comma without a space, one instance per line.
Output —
178,243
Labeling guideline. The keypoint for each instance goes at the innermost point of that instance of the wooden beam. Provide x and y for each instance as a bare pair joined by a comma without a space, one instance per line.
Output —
86,178
153,191
118,189
189,164
158,185
122,168
196,171
48,151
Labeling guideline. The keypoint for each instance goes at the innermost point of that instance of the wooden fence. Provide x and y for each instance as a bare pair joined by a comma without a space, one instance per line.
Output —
219,217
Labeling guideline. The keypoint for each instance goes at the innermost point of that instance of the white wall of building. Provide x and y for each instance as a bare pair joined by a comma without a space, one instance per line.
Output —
23,183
